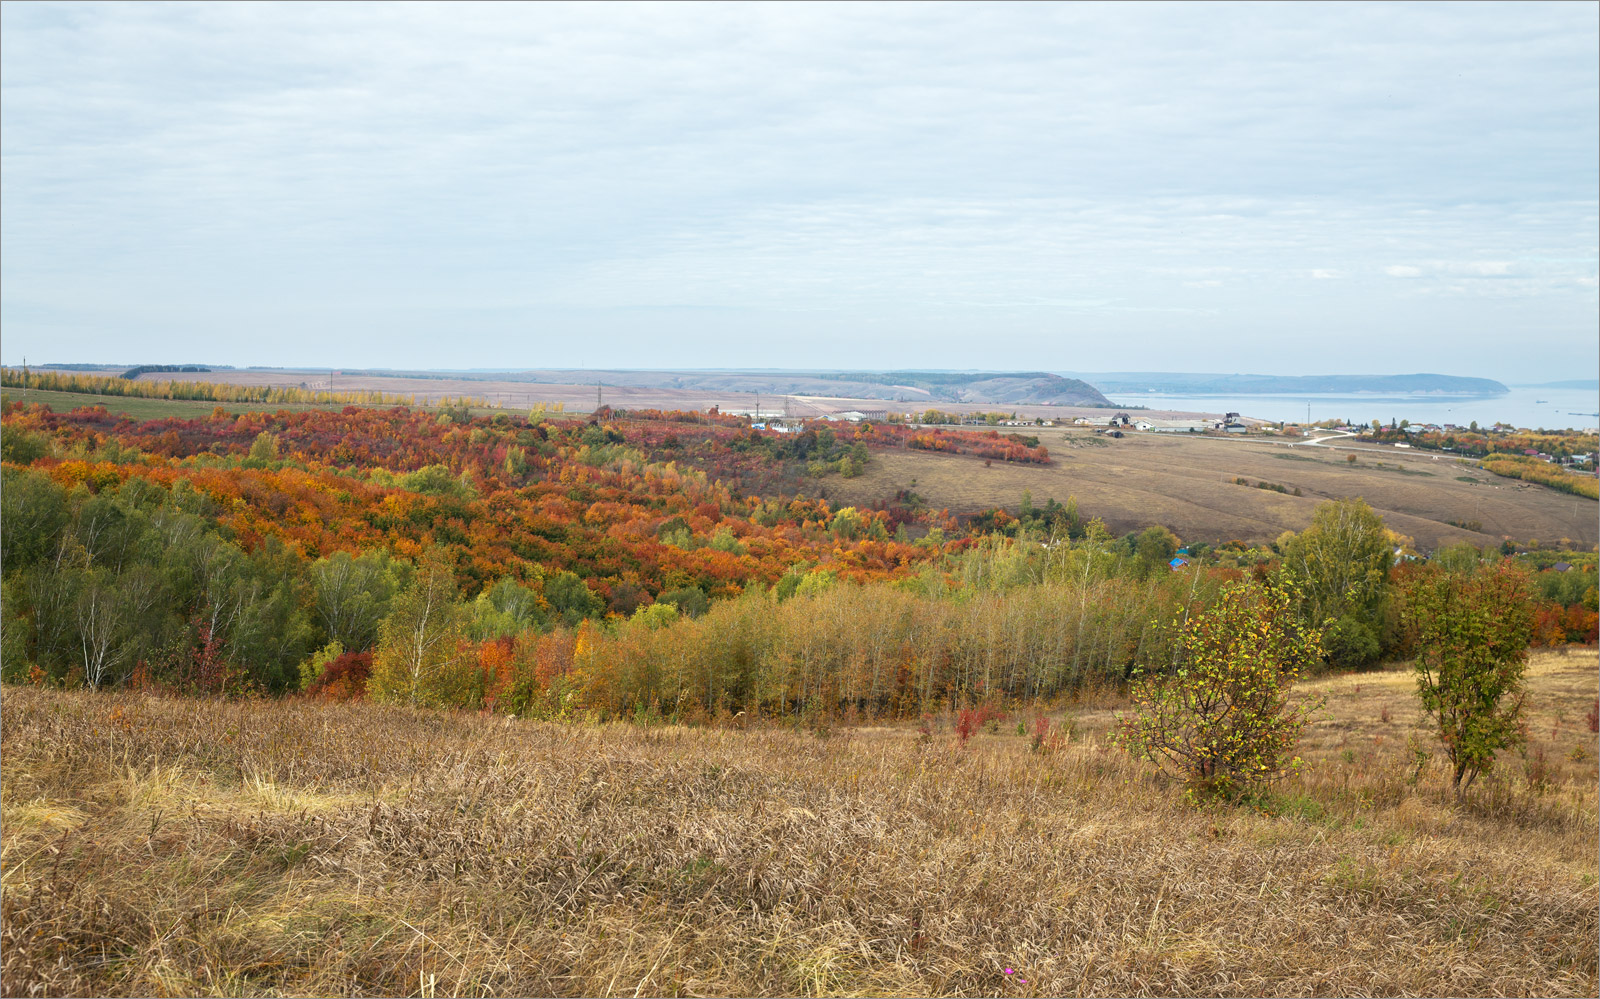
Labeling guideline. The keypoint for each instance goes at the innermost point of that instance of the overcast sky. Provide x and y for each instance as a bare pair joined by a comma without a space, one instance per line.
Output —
1282,189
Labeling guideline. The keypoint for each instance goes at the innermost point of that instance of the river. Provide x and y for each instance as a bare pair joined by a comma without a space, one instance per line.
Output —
1523,406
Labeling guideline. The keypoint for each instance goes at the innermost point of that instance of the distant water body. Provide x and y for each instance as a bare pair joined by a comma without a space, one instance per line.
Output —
1523,407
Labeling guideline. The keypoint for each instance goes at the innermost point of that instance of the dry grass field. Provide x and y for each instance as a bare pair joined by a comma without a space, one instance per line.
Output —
168,847
1186,483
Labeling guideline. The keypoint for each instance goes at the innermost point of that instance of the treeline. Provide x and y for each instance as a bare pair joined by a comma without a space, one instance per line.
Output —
1530,469
1475,442
810,644
196,391
150,369
940,417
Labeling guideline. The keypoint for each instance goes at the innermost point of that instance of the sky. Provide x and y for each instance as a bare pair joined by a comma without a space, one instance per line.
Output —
1284,189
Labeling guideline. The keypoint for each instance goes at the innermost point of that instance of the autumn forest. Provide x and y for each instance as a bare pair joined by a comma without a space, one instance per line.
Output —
671,563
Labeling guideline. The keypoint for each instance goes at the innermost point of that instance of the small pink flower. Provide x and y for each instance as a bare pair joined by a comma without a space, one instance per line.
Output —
1008,971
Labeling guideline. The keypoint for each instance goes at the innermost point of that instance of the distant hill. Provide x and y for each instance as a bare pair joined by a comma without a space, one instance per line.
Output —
1032,388
1195,383
1578,383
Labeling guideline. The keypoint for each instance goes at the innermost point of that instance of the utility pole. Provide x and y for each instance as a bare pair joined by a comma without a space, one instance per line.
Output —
24,377
597,397
757,418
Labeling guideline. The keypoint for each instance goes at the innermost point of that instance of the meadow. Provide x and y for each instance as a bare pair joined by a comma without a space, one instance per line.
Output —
1187,484
290,847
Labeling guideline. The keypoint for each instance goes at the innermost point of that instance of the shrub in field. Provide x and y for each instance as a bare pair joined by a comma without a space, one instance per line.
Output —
970,720
1472,631
311,669
343,678
1220,721
1044,740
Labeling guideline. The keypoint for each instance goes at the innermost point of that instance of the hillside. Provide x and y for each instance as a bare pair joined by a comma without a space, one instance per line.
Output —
292,847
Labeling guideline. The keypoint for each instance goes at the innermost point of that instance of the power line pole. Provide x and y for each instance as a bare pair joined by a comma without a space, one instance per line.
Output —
597,398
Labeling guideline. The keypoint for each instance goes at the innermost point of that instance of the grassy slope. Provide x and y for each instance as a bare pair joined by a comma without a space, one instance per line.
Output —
1187,484
283,847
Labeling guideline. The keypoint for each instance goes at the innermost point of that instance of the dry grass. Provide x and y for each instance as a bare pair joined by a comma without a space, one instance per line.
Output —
166,847
1187,484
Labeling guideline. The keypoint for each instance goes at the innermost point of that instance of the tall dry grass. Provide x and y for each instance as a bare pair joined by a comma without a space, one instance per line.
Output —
155,846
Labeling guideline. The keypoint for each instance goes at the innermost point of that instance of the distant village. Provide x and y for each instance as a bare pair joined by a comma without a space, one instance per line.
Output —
1115,424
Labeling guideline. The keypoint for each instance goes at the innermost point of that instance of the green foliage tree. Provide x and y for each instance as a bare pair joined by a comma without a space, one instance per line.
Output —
506,609
1471,634
690,600
1220,721
33,512
1340,567
436,480
417,660
657,615
816,581
1154,548
724,540
846,524
264,448
21,447
571,599
352,595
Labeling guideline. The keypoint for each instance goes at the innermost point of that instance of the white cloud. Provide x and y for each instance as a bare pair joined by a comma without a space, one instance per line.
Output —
399,182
